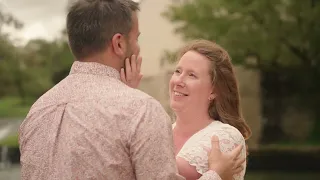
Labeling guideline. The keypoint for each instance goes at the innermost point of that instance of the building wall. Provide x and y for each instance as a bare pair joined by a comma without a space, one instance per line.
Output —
156,35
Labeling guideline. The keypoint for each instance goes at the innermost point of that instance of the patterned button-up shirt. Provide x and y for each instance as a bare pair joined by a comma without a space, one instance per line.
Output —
93,126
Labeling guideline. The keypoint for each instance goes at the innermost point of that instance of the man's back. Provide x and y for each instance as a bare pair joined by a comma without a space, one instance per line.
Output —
92,126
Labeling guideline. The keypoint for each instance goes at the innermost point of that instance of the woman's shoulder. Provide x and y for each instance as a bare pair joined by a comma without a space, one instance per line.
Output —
229,138
225,131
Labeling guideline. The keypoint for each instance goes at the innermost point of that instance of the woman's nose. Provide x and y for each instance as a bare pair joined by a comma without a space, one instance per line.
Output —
180,81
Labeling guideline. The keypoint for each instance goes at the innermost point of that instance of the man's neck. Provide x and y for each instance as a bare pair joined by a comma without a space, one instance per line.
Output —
107,60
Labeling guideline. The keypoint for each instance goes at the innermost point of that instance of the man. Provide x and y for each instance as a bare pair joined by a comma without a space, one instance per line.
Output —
93,126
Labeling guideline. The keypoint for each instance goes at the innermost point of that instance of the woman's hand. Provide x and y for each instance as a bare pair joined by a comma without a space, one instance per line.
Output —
131,75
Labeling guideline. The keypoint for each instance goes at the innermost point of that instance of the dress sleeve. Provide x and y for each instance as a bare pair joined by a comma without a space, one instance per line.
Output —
210,175
196,155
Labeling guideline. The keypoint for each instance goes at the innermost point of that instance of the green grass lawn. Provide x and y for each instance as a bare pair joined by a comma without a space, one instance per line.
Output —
10,141
13,107
282,176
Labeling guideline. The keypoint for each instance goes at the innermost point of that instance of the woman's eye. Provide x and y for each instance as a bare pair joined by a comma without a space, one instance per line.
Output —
177,71
193,75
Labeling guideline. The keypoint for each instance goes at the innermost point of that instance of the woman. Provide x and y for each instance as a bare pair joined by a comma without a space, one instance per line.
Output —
204,96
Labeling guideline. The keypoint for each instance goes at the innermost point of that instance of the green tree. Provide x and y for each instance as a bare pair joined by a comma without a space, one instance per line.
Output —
282,36
48,62
63,59
9,59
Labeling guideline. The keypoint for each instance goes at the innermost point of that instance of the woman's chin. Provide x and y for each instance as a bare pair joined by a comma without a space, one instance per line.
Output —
176,107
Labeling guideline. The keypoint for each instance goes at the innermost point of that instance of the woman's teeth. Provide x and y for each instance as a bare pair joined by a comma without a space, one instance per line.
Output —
178,94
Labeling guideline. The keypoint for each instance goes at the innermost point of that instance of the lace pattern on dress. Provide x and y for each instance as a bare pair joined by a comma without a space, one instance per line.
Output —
194,150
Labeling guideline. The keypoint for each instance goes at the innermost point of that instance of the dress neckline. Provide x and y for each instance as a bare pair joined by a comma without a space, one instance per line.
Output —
195,134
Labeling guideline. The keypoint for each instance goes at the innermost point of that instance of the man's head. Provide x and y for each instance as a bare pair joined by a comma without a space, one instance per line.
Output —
103,29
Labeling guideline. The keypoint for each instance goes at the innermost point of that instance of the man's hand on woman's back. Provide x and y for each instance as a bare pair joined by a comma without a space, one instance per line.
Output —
225,164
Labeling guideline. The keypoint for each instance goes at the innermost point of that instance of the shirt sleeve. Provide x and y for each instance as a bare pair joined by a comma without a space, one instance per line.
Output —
210,175
151,144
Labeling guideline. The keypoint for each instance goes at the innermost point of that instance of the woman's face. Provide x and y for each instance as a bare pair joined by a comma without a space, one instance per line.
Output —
190,86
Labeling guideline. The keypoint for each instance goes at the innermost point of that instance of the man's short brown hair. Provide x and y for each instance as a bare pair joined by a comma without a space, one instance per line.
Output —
91,24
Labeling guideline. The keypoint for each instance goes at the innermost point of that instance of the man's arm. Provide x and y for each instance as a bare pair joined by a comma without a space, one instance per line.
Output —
152,148
151,144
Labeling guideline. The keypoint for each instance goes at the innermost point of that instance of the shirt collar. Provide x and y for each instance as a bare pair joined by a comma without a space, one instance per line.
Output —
94,68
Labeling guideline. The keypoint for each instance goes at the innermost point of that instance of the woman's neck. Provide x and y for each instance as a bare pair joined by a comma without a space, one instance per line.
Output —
189,124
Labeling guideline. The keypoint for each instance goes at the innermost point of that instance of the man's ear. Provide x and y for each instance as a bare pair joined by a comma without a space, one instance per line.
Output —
118,44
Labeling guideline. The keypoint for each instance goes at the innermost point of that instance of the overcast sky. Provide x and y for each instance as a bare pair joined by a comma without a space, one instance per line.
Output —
41,18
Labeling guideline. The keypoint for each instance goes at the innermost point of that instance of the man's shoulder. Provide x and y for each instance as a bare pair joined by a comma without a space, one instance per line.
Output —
45,100
137,93
137,98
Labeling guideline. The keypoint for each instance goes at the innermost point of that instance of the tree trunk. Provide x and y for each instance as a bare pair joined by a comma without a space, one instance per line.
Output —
273,107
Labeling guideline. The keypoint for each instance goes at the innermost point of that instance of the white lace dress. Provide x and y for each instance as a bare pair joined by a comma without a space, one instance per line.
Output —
194,149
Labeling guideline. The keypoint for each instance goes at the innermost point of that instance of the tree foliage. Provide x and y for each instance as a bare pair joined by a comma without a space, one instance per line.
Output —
282,32
8,54
26,72
30,70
